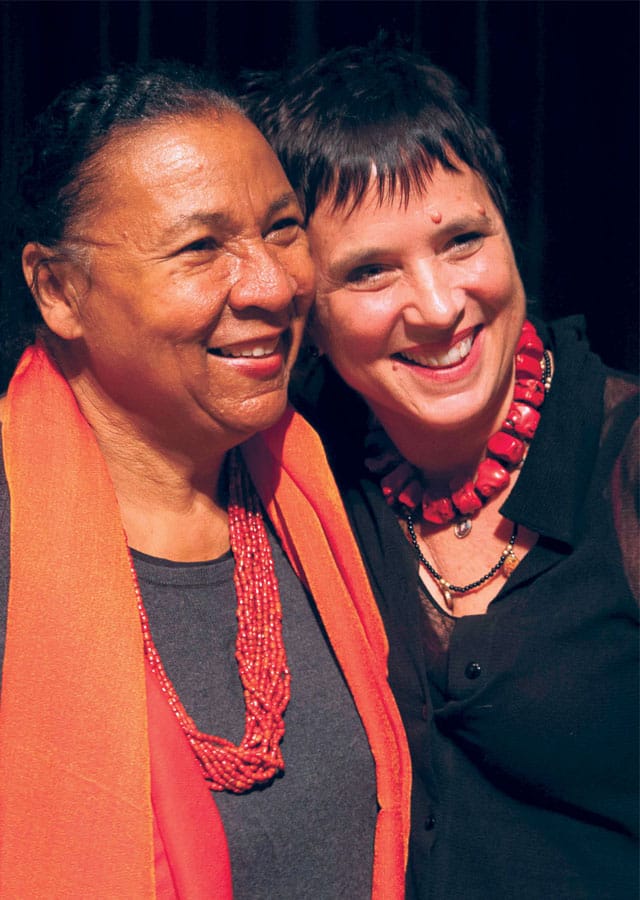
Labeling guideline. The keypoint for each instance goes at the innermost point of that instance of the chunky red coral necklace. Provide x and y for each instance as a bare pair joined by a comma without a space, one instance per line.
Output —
405,487
260,654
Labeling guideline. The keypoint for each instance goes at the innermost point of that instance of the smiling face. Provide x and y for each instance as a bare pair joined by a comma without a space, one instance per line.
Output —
199,280
420,306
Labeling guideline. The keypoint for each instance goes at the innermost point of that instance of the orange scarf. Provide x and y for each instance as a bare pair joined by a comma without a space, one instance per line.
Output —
290,470
78,786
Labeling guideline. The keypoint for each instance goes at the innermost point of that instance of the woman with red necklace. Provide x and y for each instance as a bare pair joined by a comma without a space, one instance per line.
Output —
488,466
194,696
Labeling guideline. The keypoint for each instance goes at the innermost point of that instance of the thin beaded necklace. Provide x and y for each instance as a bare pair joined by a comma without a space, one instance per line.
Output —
260,653
508,562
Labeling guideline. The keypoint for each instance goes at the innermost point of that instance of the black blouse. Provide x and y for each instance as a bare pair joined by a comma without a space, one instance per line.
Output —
524,729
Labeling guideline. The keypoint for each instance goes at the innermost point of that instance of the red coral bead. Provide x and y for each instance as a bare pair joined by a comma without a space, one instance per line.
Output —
530,344
437,509
465,499
506,447
491,477
530,390
527,366
522,419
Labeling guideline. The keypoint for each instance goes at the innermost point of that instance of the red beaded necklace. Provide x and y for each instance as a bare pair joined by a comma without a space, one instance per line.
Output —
260,654
406,488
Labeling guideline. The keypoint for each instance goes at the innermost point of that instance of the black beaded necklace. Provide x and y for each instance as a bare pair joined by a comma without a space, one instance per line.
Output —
508,560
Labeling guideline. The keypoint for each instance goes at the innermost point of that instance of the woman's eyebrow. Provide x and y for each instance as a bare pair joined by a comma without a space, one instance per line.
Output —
223,220
464,223
282,202
356,258
203,218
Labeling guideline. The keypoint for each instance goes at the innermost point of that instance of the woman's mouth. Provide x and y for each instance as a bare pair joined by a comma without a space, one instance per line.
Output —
263,358
424,356
254,351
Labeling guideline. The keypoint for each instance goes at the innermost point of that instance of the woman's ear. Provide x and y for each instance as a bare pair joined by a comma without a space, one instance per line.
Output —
56,285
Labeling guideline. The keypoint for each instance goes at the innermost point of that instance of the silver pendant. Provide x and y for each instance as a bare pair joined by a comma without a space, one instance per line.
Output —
462,527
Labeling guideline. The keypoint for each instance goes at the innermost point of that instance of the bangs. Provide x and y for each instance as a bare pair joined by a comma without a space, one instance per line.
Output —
396,173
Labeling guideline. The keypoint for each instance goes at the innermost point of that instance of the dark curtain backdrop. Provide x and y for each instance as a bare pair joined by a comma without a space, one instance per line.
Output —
557,80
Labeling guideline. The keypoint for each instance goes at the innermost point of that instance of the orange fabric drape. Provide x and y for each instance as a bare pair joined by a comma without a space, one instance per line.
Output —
289,468
194,859
75,800
79,787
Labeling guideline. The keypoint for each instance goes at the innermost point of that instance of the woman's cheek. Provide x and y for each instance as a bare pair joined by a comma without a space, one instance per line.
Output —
362,333
493,281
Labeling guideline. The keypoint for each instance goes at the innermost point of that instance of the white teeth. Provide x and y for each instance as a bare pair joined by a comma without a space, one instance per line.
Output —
265,350
453,355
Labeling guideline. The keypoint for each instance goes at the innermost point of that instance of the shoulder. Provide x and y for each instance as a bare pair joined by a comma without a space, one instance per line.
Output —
621,427
621,396
620,445
603,399
621,424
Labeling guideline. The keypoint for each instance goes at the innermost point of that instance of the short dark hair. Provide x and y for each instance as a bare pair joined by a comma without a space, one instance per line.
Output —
363,106
81,121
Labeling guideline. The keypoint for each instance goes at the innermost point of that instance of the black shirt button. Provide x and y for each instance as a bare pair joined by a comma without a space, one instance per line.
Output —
430,823
473,670
425,712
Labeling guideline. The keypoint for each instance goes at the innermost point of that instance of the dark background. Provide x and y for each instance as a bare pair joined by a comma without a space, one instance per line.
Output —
558,81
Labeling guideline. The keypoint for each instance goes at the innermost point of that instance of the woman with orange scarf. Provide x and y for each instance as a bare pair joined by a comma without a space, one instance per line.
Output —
144,436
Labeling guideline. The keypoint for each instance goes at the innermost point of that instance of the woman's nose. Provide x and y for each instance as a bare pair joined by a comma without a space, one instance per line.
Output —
262,281
435,300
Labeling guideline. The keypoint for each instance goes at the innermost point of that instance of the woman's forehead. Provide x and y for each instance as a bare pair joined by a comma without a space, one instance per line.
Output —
171,167
145,141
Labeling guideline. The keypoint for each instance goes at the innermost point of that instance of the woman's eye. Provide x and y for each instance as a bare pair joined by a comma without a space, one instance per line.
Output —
202,245
468,241
365,274
284,229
